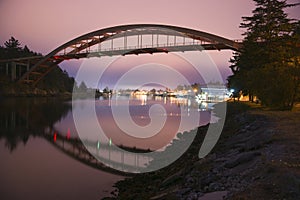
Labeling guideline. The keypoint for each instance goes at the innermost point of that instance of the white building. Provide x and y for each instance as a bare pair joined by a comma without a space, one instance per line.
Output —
213,93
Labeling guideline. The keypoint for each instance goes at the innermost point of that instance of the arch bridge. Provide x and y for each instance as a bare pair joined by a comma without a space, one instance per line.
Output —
121,40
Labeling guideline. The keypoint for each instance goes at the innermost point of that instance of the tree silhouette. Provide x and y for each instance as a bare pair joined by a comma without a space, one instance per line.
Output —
263,68
57,81
13,48
82,87
12,43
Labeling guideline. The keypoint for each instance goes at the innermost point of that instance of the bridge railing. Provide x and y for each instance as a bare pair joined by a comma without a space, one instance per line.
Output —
134,47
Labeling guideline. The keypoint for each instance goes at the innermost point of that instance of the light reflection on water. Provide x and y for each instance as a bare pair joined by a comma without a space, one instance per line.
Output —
31,166
139,106
176,109
38,166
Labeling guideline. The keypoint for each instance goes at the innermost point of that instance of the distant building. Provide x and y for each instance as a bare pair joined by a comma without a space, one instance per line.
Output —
213,93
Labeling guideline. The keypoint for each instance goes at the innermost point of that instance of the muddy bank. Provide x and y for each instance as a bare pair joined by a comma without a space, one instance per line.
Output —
257,157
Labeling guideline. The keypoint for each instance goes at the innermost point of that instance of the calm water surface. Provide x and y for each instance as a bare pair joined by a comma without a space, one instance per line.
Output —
38,143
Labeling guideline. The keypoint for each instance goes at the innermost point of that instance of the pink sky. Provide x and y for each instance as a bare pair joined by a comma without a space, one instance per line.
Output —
43,25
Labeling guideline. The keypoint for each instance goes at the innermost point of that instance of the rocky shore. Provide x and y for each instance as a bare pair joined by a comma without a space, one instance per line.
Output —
26,91
257,157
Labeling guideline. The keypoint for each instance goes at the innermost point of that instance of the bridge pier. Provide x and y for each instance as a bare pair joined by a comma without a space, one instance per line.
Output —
14,70
6,70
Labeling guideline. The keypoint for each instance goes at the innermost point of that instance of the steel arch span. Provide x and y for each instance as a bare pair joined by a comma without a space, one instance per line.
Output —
148,38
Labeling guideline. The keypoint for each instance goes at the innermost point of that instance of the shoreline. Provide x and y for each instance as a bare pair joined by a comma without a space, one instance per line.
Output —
255,158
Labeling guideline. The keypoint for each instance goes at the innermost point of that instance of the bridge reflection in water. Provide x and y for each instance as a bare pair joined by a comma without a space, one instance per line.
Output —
103,152
21,119
33,168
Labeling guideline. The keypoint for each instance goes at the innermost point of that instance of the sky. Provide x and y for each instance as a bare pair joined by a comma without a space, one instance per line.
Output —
43,25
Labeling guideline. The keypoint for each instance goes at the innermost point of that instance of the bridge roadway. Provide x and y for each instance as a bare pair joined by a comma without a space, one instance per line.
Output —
147,38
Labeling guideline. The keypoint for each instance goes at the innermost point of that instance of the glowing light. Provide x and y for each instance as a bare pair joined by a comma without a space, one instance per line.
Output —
98,145
110,142
54,137
68,134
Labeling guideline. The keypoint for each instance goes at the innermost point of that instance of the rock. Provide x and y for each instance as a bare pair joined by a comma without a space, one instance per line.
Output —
214,187
209,178
218,195
192,196
255,126
172,179
258,140
195,195
183,191
190,180
241,158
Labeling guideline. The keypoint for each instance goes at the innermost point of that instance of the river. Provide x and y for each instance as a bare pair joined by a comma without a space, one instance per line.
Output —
41,153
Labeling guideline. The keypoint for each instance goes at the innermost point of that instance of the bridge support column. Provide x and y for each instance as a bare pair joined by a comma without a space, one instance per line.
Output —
125,41
20,70
7,64
167,40
27,67
13,71
152,39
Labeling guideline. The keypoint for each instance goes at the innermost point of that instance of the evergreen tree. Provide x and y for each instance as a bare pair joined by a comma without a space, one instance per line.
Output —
294,63
2,52
12,43
55,81
262,67
82,87
13,48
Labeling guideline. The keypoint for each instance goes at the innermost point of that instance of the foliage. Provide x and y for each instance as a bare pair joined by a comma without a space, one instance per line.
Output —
44,112
56,81
13,49
107,90
268,64
82,87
